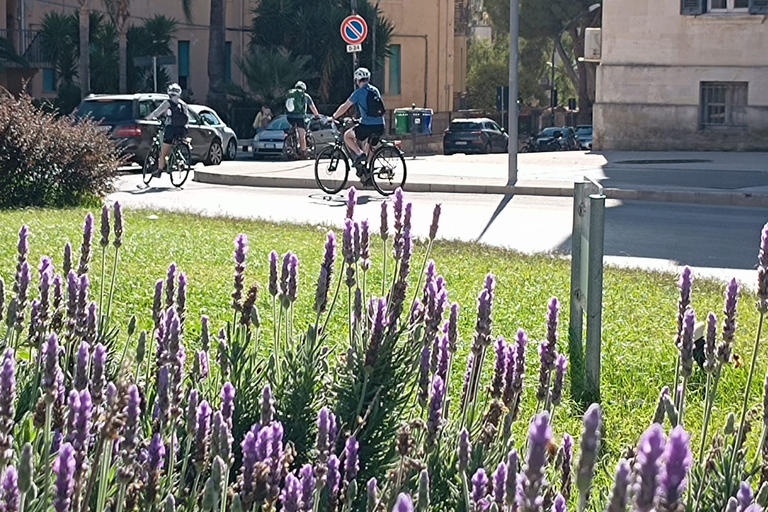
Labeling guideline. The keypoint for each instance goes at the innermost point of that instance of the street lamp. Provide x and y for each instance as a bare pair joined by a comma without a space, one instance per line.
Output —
592,8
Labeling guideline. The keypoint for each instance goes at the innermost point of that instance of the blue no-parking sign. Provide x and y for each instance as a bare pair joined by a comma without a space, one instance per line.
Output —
354,29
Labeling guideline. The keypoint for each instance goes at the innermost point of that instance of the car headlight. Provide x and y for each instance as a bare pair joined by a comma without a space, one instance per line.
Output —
256,138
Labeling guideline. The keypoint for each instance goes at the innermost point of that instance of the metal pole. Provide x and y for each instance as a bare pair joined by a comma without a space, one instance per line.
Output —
355,58
595,296
154,71
552,85
576,320
514,29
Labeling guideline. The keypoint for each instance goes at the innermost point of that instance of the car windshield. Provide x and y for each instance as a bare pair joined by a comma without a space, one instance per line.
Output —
551,132
110,111
584,130
465,126
279,124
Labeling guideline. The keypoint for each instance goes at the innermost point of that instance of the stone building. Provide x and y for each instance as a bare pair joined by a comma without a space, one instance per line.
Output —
685,75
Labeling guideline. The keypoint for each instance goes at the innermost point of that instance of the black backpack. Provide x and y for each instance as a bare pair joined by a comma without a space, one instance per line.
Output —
179,116
374,104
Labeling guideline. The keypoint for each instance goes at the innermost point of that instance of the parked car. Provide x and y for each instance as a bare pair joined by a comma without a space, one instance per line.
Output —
124,118
226,134
557,138
480,135
584,134
270,141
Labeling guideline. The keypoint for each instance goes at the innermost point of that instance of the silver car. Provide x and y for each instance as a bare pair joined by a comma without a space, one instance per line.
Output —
271,141
227,134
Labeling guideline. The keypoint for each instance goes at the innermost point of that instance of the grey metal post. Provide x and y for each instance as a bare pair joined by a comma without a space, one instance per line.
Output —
595,296
154,70
514,29
576,320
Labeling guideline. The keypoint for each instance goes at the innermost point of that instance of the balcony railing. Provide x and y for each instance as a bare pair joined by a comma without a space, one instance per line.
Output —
461,13
28,44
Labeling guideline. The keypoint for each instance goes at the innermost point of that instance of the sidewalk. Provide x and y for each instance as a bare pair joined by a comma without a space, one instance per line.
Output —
737,179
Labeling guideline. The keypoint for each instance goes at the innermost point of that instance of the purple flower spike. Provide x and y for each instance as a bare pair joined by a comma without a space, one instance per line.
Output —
64,470
590,448
539,436
170,285
500,368
351,203
407,217
85,248
240,254
479,486
559,505
435,417
453,327
725,349
373,494
744,495
334,476
484,310
762,269
273,257
435,221
228,402
23,246
132,418
377,332
323,430
351,461
291,495
677,462
511,482
67,264
202,434
52,376
384,225
686,343
465,450
365,245
10,490
156,453
647,467
561,366
98,375
618,499
686,285
443,358
267,406
307,479
7,391
710,345
105,227
293,278
499,484
284,274
250,458
404,503
119,224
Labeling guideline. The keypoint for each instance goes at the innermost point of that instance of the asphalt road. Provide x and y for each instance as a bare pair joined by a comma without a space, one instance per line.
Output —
719,241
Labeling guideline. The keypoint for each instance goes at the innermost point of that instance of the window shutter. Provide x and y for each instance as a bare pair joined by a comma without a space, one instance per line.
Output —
758,6
694,7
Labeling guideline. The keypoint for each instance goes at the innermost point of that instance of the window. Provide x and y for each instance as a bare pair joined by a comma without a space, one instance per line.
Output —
723,104
394,69
49,80
209,118
184,64
228,60
728,5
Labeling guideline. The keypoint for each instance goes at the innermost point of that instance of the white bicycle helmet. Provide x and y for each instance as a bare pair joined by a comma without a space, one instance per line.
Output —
174,90
362,74
301,85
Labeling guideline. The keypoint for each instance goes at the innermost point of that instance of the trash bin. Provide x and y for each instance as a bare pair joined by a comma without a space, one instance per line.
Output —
402,121
426,121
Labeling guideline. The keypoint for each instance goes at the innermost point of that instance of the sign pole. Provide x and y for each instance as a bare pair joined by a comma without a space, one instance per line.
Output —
514,29
154,71
355,57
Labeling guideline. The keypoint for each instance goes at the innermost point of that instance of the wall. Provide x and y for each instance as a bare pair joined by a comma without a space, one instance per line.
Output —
653,60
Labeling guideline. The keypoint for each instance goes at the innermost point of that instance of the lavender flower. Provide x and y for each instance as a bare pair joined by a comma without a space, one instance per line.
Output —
686,343
435,221
326,271
67,264
323,431
156,453
479,488
334,477
561,365
499,369
404,503
710,343
559,505
685,284
398,213
435,417
484,310
373,492
9,502
423,491
284,274
677,462
661,406
499,484
202,435
105,227
566,463
377,333
725,348
64,469
384,225
291,495
267,406
618,499
170,285
647,467
7,392
98,373
744,495
157,303
273,257
85,248
307,480
202,367
250,458
453,327
228,402
82,430
465,450
351,203
351,461
365,245
511,481
118,225
52,375
26,468
293,278
23,246
181,299
46,276
407,217
132,418
240,254
590,446
24,276
539,436
443,358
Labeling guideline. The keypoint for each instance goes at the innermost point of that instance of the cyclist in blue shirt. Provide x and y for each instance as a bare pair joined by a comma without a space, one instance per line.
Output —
367,99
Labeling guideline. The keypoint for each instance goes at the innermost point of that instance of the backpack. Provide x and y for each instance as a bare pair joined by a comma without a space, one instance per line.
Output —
178,114
296,103
374,104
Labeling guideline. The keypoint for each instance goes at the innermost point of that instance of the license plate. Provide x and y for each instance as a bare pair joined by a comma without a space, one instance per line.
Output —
269,146
103,128
461,143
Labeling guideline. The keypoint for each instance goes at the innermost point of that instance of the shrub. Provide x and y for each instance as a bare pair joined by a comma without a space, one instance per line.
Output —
157,427
47,160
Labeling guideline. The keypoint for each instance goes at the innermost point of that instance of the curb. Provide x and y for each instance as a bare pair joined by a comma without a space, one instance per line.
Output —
696,196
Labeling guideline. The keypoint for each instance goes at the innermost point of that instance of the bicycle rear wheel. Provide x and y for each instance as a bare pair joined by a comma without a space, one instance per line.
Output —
388,170
331,169
179,164
150,164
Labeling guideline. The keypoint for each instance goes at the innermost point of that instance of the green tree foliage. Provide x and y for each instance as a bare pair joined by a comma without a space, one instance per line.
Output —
271,72
8,54
310,28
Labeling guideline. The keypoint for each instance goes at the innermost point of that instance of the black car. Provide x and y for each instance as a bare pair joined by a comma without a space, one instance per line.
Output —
474,136
557,138
123,116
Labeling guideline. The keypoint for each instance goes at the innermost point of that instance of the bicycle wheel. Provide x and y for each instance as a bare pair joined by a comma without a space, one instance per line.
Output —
291,146
311,148
388,170
150,164
331,169
179,164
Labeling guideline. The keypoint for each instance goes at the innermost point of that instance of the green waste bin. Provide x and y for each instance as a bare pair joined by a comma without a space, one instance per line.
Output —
402,121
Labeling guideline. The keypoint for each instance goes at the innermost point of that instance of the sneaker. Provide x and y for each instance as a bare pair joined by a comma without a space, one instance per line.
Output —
158,173
359,161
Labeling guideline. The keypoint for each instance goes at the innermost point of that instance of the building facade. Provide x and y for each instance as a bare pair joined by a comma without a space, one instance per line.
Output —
685,75
427,66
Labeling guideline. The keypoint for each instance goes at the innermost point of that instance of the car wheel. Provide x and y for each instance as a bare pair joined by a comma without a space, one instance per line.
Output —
215,154
487,149
231,149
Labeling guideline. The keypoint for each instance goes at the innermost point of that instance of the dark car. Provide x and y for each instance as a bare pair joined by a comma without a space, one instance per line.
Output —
584,134
557,138
123,117
474,136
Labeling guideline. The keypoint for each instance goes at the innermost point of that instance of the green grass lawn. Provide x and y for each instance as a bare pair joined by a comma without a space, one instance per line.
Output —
638,318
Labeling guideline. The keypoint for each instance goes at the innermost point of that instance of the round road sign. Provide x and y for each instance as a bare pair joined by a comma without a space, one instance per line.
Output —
354,29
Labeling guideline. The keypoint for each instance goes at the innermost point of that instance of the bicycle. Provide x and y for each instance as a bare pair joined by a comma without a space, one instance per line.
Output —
381,169
179,159
292,147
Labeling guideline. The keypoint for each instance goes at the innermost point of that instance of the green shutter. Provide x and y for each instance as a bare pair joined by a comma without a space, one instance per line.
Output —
183,58
692,7
758,6
395,85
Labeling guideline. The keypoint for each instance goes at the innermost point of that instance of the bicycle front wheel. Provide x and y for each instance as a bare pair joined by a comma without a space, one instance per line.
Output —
331,169
150,164
179,165
388,170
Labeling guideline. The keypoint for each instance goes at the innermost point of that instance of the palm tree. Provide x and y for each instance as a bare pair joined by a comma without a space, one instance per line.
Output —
217,67
153,37
59,36
119,12
271,72
85,71
8,54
